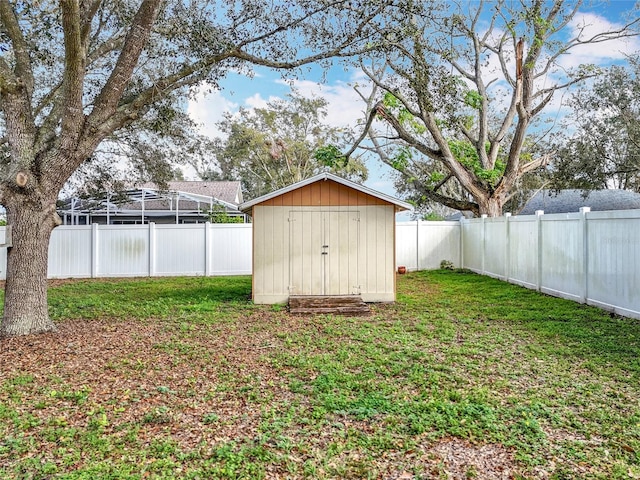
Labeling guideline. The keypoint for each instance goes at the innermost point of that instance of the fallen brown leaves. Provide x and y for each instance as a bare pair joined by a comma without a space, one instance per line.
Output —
198,386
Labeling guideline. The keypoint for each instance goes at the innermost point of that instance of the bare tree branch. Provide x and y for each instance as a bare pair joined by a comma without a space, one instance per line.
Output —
74,72
432,194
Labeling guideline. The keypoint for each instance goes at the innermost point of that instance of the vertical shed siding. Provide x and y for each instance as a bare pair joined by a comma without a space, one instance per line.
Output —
271,253
343,237
376,254
305,240
375,242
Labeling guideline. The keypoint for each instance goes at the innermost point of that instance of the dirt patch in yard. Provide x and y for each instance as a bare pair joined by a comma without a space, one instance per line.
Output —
455,459
462,460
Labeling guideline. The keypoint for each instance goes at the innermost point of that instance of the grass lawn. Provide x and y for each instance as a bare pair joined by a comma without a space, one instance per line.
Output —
464,377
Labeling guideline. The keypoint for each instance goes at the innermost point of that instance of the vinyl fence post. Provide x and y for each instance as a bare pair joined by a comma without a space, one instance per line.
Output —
484,240
585,253
94,250
207,249
507,249
539,214
417,244
152,249
461,243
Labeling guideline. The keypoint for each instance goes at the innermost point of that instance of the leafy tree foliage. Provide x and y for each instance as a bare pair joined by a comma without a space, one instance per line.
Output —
283,143
456,96
218,214
604,150
77,73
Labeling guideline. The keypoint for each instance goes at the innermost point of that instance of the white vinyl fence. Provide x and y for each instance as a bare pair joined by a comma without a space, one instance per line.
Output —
147,250
424,245
589,257
206,249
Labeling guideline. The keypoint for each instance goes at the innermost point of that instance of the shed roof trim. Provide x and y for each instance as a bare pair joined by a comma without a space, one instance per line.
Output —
247,206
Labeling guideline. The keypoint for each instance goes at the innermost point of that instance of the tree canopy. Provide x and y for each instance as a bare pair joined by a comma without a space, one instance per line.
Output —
600,148
272,147
76,73
459,97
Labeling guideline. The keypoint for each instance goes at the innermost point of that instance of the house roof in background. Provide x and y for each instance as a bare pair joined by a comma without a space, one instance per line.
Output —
227,191
567,201
181,195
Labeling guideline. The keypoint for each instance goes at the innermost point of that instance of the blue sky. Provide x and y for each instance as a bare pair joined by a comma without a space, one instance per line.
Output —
345,107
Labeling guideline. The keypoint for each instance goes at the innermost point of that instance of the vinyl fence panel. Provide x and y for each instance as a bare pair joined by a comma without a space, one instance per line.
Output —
407,245
438,241
423,245
473,244
70,252
180,250
561,250
123,251
230,250
613,267
495,247
146,250
589,257
523,253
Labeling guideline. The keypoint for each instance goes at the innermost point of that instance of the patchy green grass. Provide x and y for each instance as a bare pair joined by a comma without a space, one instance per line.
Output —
149,298
464,377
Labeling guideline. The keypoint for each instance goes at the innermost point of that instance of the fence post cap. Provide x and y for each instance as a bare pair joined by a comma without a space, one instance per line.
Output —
585,209
539,212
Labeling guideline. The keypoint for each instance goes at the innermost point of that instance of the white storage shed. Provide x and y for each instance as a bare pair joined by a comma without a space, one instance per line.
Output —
324,236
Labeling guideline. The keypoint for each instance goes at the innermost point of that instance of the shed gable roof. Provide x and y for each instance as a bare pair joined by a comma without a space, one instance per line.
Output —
338,191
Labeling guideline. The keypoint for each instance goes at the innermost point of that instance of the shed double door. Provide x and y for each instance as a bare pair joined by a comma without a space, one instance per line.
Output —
323,252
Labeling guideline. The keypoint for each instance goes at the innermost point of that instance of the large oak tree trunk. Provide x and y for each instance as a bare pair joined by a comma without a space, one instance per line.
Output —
491,206
25,303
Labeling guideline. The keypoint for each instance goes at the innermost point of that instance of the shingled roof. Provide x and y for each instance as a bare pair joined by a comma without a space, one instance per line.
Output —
227,191
566,201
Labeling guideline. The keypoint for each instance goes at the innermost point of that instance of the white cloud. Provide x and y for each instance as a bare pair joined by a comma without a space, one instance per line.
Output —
257,101
208,108
588,25
344,106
